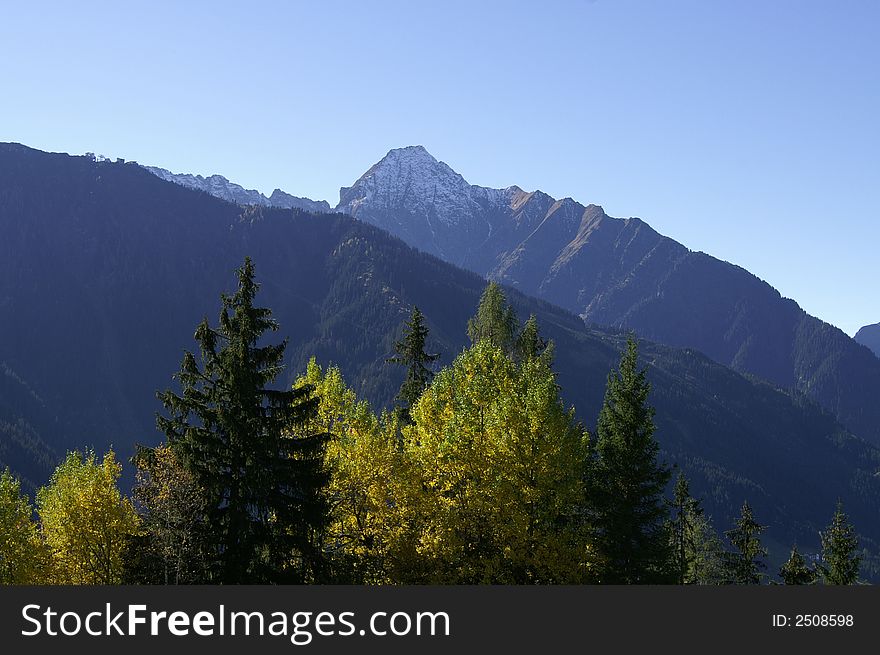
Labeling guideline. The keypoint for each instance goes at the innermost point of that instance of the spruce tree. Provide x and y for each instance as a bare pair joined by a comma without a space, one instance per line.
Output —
411,354
706,556
840,556
632,539
696,548
495,320
262,481
744,565
795,570
530,344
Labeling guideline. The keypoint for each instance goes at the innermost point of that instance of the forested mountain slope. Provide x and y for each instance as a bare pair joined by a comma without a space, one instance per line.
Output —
105,271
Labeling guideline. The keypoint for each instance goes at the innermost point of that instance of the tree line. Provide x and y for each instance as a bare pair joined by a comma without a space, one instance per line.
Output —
479,474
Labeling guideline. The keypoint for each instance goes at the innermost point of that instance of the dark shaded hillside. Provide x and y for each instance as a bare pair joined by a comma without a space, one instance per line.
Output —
105,271
24,417
670,294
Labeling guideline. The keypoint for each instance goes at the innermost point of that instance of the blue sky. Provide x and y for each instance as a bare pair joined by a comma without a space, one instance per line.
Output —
748,130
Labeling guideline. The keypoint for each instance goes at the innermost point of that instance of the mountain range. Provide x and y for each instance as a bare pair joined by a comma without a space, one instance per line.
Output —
219,187
105,270
618,273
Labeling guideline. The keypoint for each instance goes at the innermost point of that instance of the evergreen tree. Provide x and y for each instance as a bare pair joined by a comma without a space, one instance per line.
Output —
411,354
495,320
530,344
262,481
795,571
745,563
840,556
686,509
632,539
706,558
696,548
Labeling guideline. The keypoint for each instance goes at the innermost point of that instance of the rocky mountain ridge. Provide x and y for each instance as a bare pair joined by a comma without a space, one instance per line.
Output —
219,187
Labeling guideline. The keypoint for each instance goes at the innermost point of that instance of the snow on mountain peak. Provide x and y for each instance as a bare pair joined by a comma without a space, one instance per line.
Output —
412,179
220,187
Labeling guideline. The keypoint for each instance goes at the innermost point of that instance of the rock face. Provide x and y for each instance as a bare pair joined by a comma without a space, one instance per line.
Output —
621,273
219,187
426,203
870,336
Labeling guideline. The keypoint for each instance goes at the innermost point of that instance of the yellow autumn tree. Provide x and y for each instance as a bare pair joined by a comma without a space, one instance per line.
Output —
85,520
23,556
496,462
362,460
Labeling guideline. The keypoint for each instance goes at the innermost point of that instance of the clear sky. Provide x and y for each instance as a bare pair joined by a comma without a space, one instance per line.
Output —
746,129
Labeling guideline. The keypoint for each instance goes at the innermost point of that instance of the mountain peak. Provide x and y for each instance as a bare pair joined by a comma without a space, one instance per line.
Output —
414,151
410,162
413,180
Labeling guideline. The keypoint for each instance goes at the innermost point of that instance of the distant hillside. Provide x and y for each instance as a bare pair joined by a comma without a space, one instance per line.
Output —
105,271
24,419
870,336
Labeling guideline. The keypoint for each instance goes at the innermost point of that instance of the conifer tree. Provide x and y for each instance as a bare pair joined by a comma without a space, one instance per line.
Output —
495,320
696,548
530,344
744,565
840,556
795,570
632,539
686,509
706,560
263,481
411,353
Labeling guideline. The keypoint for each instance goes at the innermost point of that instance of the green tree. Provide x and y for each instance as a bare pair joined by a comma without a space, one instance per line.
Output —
530,344
263,482
495,320
632,537
86,521
795,570
706,564
745,563
840,556
696,547
686,509
411,353
23,556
